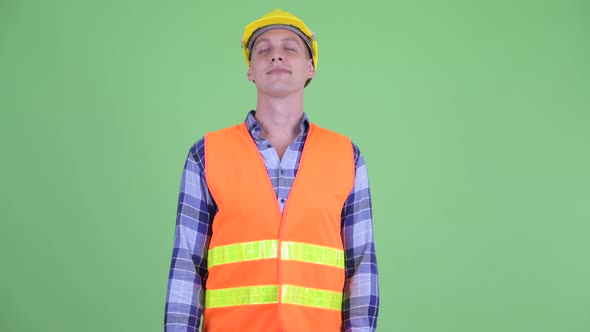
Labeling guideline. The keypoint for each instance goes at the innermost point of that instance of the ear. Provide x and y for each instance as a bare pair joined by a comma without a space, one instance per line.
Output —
250,74
310,69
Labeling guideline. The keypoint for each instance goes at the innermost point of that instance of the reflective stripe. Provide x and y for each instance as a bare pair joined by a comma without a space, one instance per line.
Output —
239,252
309,297
311,253
297,251
241,296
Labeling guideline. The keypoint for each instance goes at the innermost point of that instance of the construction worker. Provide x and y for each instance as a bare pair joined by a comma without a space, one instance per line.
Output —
274,227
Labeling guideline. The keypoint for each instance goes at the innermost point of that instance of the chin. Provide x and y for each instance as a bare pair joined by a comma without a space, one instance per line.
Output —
280,84
278,90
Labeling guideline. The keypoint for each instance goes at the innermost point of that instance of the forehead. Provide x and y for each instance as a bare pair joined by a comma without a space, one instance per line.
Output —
278,35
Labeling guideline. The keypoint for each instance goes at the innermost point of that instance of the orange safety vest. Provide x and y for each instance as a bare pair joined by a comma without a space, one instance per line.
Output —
270,271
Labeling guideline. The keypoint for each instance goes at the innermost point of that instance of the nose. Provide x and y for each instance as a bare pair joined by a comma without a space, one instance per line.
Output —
277,55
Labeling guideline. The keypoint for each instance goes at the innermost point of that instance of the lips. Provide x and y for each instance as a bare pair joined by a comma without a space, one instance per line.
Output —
278,71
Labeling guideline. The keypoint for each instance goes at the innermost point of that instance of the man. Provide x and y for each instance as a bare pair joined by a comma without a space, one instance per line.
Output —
274,224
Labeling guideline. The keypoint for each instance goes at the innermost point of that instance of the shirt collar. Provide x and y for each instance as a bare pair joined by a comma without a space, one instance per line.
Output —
254,127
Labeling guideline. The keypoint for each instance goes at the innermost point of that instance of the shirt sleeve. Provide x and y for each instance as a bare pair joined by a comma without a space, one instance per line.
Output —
360,306
188,269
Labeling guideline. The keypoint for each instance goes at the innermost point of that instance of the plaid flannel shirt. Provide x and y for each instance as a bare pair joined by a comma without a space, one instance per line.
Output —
196,210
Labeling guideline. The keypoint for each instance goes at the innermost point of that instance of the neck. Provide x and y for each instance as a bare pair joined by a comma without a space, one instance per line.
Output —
279,116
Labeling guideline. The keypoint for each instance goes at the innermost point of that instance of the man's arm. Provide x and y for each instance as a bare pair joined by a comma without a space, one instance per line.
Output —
188,270
361,289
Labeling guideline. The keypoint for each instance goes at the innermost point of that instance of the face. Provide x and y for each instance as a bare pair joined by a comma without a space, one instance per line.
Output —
280,62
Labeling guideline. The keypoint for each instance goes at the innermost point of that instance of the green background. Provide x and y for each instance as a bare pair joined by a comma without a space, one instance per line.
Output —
473,117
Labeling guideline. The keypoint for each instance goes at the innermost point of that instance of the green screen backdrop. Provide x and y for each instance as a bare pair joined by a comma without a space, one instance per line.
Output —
473,118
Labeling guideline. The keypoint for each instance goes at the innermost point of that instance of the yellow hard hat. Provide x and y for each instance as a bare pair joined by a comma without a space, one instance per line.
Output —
279,19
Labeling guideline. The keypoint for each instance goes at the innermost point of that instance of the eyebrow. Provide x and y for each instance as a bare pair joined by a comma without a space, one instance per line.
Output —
261,40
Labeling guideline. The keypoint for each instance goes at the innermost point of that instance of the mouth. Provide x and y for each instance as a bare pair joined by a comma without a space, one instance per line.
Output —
278,71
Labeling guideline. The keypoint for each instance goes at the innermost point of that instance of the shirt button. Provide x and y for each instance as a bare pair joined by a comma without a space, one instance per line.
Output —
269,146
282,200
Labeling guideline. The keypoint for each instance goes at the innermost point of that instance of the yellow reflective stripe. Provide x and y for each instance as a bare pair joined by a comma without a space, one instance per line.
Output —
241,296
311,297
312,253
297,251
239,252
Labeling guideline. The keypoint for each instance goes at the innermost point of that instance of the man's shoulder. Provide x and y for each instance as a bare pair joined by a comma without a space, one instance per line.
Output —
328,131
225,129
200,143
355,147
197,150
